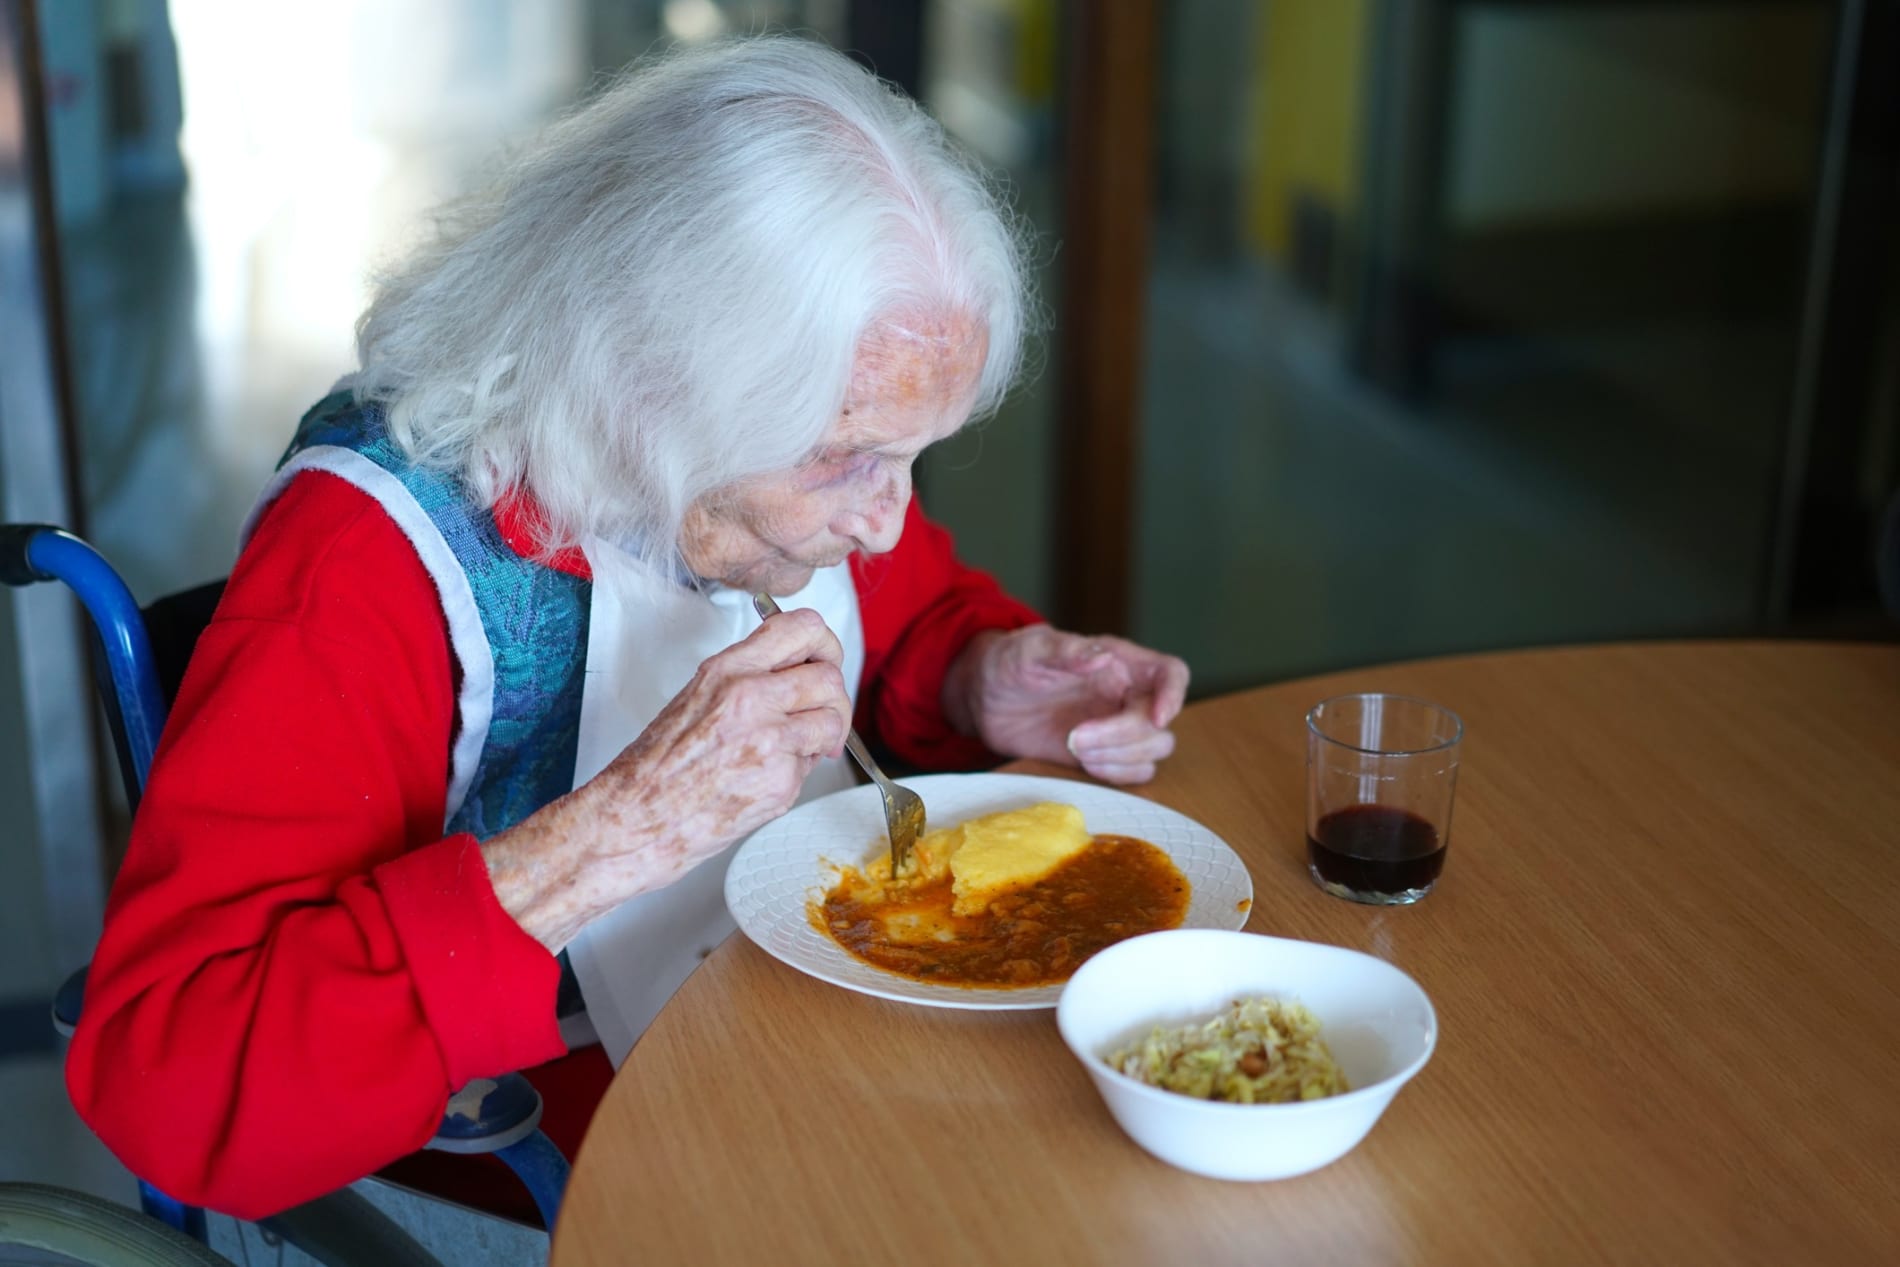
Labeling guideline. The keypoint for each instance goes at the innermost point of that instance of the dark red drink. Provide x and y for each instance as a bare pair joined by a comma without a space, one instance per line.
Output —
1375,850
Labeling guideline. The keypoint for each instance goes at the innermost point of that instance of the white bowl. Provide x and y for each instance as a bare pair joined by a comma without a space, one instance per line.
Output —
1377,1021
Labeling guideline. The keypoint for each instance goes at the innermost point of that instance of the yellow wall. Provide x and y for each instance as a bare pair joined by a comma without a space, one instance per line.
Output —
1309,77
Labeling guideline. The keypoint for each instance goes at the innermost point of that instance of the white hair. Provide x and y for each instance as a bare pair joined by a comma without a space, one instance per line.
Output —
666,293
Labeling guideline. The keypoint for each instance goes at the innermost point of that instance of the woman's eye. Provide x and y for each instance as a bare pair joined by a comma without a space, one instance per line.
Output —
845,465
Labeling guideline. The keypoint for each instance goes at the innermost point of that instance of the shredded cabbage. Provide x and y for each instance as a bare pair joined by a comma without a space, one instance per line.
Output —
1257,1051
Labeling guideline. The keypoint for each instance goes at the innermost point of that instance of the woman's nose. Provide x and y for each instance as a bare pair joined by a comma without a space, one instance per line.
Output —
877,525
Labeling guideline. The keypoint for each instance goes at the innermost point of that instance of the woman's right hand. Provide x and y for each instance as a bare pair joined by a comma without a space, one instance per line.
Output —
727,755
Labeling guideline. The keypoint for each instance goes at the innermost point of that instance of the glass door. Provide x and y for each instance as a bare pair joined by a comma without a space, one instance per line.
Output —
1469,324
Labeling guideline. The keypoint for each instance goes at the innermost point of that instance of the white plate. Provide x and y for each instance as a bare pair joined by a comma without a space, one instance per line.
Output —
790,862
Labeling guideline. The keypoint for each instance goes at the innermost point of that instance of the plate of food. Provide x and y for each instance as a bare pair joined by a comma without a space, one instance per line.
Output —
1018,881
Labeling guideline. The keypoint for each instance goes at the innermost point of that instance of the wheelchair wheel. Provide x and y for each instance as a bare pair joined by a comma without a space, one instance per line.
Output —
93,1231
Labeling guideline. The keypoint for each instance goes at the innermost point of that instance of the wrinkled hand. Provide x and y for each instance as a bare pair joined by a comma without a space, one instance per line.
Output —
727,755
1104,704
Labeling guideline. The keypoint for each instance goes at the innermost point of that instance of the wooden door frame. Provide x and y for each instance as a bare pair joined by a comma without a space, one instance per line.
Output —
1108,158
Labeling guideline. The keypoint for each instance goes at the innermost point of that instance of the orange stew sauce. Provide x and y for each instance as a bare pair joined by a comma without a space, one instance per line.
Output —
1116,888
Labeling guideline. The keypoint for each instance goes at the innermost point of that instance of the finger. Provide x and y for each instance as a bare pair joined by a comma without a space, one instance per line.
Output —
1170,690
816,732
1076,653
1157,746
1111,680
786,639
1164,678
1140,772
1131,725
814,684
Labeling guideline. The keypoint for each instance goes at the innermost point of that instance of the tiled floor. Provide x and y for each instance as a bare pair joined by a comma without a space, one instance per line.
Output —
44,1140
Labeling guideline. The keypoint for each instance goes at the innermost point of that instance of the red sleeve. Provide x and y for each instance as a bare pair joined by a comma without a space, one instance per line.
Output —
297,969
920,607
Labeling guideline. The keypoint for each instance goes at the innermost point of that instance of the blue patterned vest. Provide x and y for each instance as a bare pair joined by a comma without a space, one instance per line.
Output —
518,627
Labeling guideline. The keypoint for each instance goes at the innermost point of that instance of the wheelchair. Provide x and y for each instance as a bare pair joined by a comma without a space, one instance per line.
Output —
344,1229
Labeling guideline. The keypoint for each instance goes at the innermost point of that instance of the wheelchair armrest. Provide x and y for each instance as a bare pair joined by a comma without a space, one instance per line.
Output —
501,1116
15,568
67,1001
489,1114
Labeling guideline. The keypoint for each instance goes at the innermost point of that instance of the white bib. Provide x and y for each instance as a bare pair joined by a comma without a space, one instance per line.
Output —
647,636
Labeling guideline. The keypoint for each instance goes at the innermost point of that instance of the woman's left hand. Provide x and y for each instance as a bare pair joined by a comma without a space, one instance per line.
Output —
1104,704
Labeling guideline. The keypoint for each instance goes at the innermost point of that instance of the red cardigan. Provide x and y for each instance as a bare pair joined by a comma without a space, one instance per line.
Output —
297,967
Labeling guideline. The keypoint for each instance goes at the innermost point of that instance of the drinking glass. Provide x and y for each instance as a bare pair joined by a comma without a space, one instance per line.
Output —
1380,774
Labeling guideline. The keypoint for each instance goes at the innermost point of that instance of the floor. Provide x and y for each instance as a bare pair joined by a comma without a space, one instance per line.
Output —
45,1142
1293,519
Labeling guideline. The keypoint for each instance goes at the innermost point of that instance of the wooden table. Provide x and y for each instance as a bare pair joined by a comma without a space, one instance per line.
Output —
1663,955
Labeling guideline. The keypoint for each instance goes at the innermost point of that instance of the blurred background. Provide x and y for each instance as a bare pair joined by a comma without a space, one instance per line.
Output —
1381,328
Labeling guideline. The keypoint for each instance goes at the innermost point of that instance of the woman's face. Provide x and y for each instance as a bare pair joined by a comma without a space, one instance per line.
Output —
913,385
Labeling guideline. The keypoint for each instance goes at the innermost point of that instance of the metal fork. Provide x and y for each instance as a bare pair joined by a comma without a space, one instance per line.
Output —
903,808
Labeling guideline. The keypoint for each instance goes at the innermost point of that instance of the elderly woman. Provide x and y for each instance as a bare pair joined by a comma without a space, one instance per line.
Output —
486,684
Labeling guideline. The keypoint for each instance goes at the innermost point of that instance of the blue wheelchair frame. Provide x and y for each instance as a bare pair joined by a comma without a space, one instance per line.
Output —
506,1120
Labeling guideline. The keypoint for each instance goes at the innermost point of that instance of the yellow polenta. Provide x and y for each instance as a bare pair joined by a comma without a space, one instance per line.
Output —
999,853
